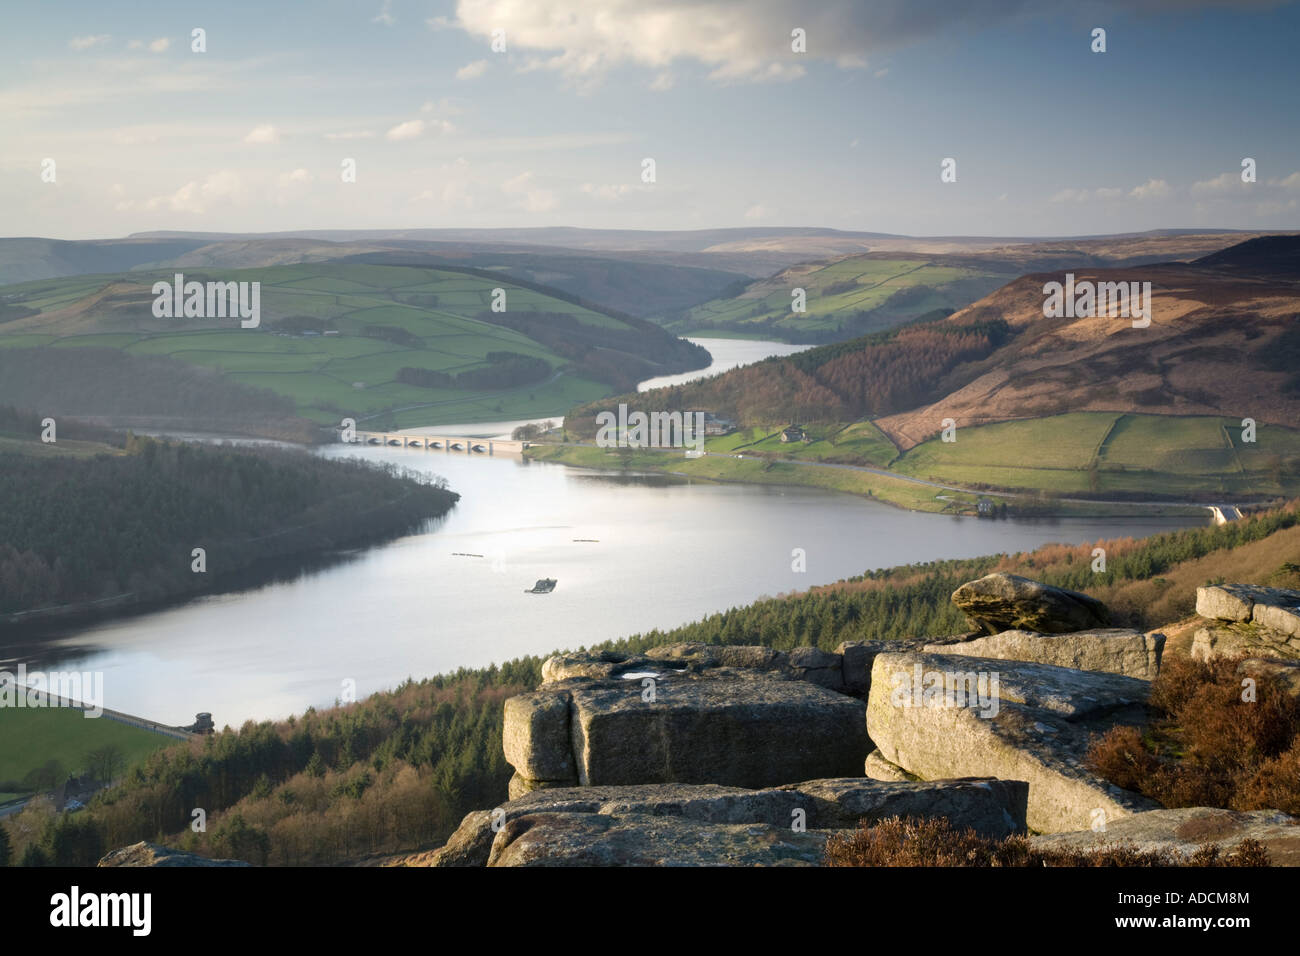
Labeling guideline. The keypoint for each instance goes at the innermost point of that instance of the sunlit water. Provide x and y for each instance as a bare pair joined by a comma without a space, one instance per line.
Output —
662,552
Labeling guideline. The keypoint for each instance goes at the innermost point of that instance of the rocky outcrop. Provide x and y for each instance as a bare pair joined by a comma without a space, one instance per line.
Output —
878,768
1277,608
939,716
1183,831
683,824
1002,602
1247,620
1286,674
1243,640
151,854
1108,650
643,722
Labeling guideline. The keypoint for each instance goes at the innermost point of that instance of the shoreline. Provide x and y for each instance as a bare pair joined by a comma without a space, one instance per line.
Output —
899,491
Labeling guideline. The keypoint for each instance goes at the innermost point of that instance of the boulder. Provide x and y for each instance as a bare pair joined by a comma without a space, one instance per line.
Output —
1186,829
817,666
1002,602
722,726
695,824
151,854
1274,608
858,656
536,737
993,808
1285,673
878,768
1113,650
1243,639
469,845
595,839
1006,719
752,656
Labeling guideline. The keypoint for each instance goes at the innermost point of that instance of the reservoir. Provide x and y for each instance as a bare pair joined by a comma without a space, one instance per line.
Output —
630,552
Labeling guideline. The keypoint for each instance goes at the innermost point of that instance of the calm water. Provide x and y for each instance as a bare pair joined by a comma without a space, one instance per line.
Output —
664,552
727,354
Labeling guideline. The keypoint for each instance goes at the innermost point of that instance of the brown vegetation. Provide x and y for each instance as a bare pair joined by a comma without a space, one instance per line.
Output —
910,841
1211,741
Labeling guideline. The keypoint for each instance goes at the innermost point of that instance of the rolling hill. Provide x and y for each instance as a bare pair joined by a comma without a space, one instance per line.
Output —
1089,406
396,344
846,296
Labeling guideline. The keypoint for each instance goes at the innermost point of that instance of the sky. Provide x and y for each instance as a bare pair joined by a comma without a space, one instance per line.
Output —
111,122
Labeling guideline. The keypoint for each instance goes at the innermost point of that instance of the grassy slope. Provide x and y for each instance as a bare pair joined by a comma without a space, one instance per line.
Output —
763,309
1156,456
320,372
33,737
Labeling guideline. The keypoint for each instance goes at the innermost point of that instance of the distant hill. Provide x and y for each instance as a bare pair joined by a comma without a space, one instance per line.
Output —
1087,406
387,343
1262,256
641,285
844,297
24,259
1223,339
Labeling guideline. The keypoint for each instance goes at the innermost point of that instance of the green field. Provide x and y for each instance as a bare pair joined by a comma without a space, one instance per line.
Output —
336,375
839,293
1092,455
1107,452
30,737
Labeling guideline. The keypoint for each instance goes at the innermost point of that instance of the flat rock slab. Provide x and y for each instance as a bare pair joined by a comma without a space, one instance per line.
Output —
985,684
1002,602
722,726
717,725
1038,731
858,656
151,854
1275,608
994,808
595,839
1184,830
1114,650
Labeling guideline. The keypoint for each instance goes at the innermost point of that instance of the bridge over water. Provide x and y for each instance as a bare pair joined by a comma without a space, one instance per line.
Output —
445,443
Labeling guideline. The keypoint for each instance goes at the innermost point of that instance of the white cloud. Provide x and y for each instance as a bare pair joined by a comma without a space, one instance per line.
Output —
88,41
607,192
385,15
758,211
297,176
411,129
1070,195
1100,194
662,81
737,42
472,71
532,198
266,133
881,73
159,45
197,198
1219,185
1151,189
1290,182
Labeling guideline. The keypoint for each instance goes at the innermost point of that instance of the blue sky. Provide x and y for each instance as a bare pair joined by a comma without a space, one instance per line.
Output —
1049,137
